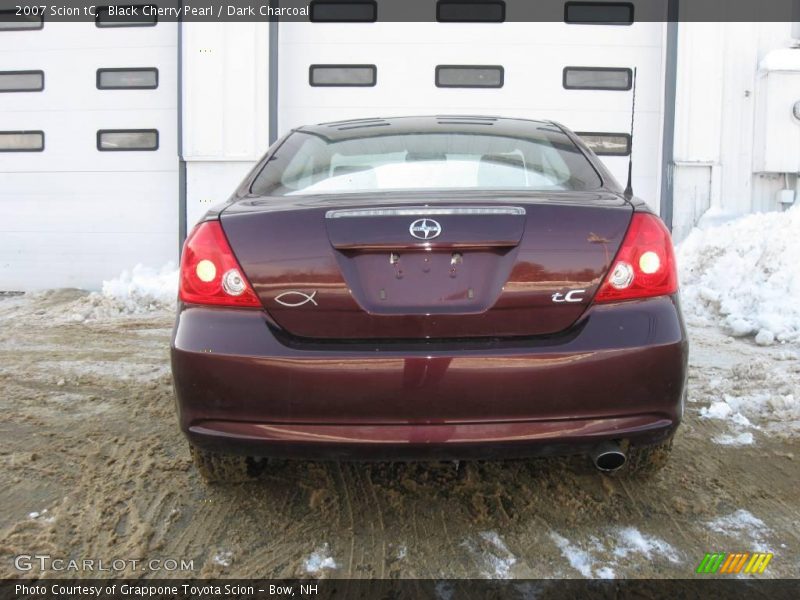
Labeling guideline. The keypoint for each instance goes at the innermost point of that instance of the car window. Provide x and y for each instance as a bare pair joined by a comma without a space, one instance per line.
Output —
311,164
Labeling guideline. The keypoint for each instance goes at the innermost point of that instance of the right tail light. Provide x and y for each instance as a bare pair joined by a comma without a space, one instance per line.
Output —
645,264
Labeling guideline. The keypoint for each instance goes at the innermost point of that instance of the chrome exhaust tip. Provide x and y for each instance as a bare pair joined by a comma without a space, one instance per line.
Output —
608,457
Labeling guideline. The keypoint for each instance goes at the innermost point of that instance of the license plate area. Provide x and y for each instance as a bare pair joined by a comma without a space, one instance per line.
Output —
424,281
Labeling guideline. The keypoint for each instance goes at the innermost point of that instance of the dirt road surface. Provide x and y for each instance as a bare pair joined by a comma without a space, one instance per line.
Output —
92,466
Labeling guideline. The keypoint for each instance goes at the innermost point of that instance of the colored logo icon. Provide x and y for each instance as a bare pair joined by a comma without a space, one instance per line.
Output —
719,563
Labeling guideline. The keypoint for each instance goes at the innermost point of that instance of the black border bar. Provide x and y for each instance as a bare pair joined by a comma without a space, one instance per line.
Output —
418,589
407,11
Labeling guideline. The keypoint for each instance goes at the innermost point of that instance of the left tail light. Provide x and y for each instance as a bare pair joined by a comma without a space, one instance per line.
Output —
210,273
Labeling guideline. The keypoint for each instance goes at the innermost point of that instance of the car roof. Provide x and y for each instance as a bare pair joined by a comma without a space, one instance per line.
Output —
335,131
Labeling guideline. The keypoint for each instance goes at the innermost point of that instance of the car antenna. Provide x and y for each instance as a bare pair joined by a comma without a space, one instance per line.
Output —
629,187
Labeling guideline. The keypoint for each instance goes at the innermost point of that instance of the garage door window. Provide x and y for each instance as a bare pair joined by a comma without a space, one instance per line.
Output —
112,140
127,79
21,141
607,144
10,21
342,75
598,13
131,15
343,12
464,76
597,78
21,81
459,11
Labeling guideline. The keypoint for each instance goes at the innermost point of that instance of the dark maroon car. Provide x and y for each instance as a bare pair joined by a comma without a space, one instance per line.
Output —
429,288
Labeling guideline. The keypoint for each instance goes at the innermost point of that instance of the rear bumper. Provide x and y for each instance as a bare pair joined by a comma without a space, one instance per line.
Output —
426,441
618,374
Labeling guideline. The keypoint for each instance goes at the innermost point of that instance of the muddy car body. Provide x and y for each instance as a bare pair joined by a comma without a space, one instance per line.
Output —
429,287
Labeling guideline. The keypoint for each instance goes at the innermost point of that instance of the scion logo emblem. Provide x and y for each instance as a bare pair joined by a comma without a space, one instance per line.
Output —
293,298
425,229
571,296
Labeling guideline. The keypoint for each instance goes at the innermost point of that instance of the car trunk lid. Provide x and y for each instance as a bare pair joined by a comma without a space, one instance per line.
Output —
398,268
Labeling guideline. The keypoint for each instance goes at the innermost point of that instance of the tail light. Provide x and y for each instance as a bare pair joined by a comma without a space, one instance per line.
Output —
210,273
645,264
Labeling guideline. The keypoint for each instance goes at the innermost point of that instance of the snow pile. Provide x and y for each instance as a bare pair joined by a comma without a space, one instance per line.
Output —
599,559
745,275
139,291
319,560
144,287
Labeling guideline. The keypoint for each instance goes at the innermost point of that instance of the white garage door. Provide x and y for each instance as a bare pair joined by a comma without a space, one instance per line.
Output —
89,187
331,71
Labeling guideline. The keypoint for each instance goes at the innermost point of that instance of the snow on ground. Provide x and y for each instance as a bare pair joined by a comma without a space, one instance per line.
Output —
492,555
223,558
632,541
581,560
42,516
402,552
744,275
619,548
758,395
743,439
320,560
499,558
742,525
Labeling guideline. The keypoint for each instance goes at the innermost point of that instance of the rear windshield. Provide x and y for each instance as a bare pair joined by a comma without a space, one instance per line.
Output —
309,164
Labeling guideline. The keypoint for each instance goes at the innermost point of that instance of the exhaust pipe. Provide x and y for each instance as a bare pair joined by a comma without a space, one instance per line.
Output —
608,457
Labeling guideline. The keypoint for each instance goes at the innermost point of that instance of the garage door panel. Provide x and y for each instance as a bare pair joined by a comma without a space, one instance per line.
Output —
68,37
74,215
532,55
545,34
71,140
72,85
58,259
86,202
535,85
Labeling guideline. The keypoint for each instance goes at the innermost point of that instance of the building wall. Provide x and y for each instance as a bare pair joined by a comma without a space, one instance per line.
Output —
74,216
225,117
716,122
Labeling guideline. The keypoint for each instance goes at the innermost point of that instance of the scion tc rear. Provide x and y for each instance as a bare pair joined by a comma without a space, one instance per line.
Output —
420,288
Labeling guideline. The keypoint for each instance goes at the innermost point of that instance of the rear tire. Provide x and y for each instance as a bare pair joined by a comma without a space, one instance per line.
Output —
644,461
224,468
